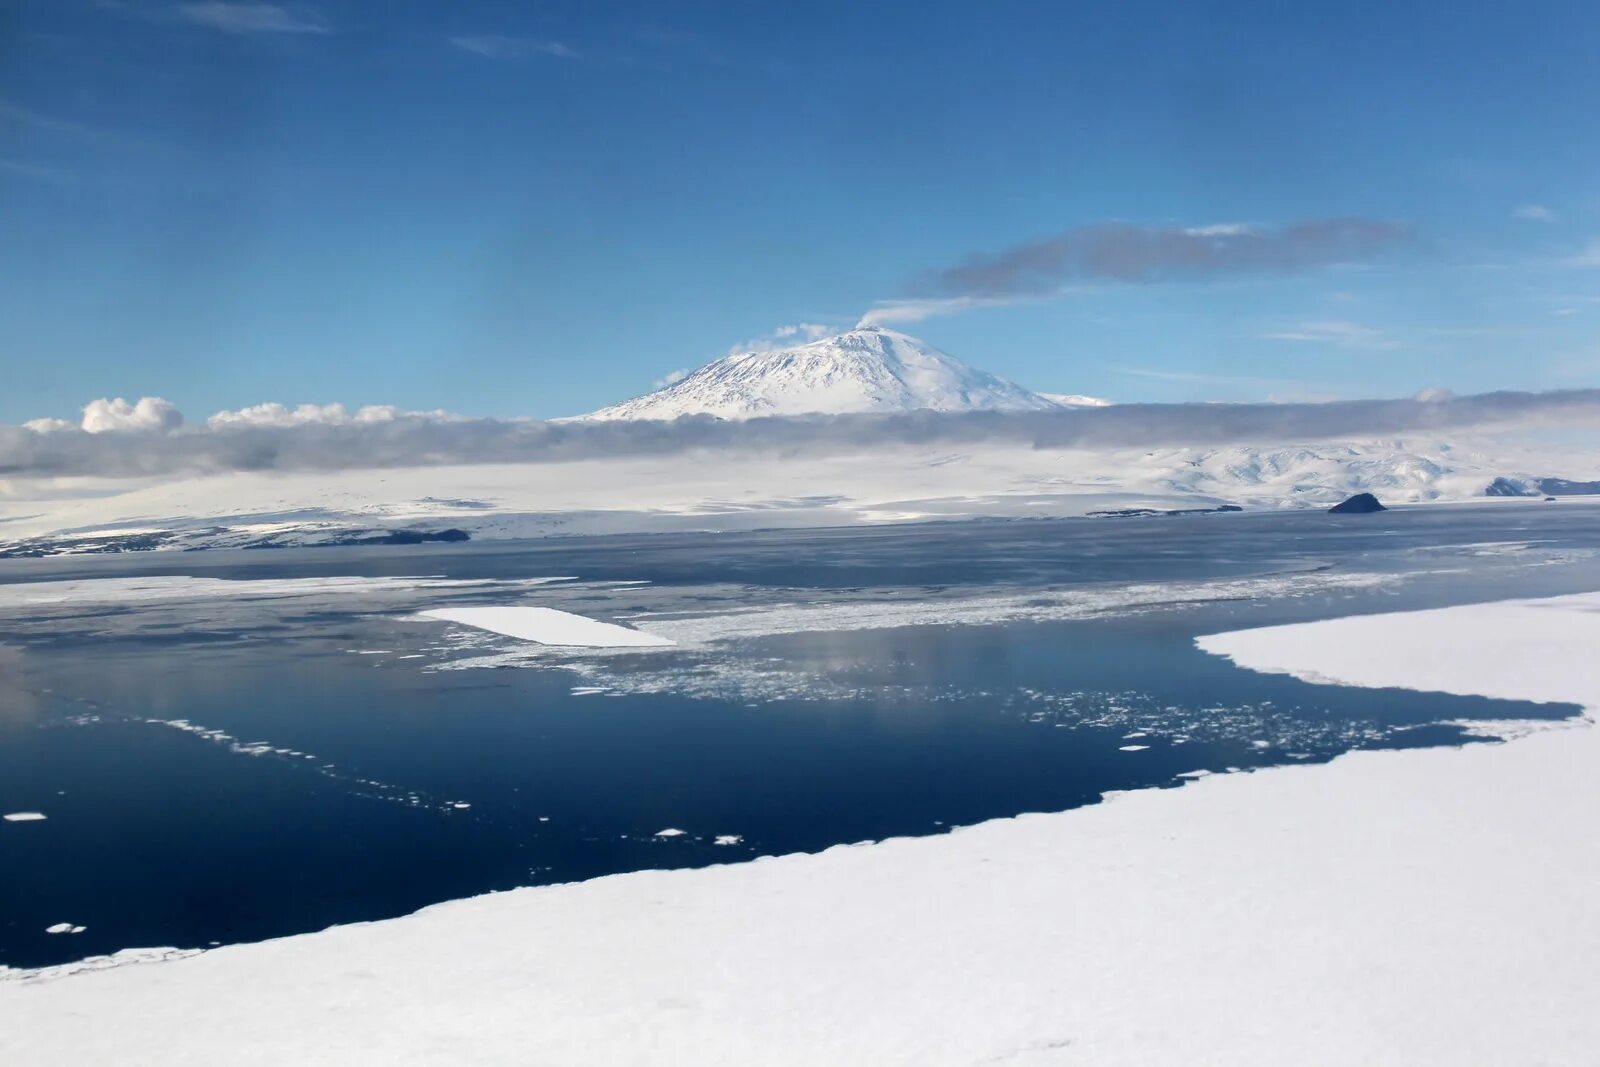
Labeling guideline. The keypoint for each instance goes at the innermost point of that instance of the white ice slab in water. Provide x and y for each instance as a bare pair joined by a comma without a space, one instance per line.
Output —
548,626
25,816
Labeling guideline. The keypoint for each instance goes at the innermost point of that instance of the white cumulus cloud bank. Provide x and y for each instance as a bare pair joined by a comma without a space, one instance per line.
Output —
148,438
149,414
281,415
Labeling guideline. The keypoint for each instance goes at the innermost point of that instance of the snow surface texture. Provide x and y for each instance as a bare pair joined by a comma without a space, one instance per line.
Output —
547,626
1390,908
867,369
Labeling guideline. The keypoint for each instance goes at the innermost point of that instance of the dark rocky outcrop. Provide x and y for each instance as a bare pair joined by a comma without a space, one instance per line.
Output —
1360,504
1508,487
1122,513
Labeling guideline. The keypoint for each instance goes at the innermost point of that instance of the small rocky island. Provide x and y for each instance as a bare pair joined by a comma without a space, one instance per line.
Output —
1360,504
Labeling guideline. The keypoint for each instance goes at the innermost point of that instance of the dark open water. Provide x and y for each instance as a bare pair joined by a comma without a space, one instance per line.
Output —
234,768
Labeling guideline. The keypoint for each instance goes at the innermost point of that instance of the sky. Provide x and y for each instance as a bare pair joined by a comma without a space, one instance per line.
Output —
516,209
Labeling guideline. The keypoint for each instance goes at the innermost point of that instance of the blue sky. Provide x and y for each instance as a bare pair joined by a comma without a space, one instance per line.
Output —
536,209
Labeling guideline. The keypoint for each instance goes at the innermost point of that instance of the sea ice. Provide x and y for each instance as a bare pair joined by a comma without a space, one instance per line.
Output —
26,816
175,588
1417,906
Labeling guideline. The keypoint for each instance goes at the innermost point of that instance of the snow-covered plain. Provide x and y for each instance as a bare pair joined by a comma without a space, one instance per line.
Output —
715,492
1401,907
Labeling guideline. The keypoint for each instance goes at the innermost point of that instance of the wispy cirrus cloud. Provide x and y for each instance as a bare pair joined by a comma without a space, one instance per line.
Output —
31,170
231,16
1340,333
1533,213
17,115
497,46
1589,257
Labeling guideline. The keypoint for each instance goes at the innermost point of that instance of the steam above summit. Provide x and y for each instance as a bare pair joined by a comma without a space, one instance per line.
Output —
869,369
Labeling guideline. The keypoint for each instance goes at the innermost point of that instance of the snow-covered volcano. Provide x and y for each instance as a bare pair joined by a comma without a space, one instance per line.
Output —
866,369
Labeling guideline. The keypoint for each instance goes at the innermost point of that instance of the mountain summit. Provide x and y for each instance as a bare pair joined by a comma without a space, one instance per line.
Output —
865,369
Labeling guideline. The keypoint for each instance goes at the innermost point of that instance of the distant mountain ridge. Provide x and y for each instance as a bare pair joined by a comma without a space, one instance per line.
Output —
869,369
1076,400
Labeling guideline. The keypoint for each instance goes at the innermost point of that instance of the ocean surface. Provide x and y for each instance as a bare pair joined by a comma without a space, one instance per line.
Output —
236,746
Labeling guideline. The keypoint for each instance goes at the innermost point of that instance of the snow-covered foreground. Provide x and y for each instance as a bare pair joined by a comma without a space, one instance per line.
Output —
1416,907
723,492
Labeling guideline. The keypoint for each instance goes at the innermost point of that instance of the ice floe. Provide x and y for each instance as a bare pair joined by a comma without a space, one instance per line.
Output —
548,626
